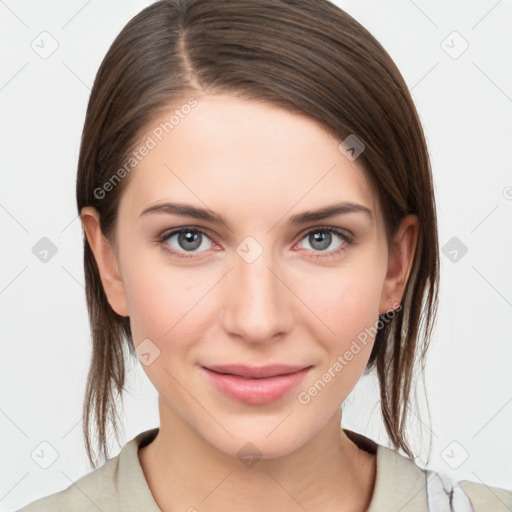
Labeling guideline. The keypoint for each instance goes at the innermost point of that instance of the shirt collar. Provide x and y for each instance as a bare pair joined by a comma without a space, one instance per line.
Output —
400,485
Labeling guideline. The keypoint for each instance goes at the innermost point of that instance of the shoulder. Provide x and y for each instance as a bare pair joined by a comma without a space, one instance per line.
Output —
91,492
486,497
119,485
403,485
464,495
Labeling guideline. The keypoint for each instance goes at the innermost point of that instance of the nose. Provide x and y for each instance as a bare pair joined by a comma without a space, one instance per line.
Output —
258,307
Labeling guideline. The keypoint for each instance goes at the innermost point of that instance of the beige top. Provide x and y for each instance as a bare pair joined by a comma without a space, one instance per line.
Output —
119,485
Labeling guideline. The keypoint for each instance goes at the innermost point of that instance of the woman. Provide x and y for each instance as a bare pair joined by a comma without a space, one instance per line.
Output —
260,230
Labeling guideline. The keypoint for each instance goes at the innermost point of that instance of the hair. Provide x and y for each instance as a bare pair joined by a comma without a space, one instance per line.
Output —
305,56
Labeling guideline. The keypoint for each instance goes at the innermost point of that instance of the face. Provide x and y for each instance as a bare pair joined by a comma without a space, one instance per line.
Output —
266,285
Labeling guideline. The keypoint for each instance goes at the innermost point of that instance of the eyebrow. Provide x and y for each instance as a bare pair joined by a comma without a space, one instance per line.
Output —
186,210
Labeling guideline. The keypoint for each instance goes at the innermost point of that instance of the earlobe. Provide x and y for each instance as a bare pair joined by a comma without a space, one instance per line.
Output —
106,259
401,256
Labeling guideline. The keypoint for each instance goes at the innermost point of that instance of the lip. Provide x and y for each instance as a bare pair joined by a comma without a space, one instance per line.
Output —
255,385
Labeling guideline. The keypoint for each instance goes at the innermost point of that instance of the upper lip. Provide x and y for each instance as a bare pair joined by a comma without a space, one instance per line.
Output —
256,372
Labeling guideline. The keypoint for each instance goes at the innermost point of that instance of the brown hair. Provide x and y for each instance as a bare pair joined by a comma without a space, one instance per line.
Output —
305,56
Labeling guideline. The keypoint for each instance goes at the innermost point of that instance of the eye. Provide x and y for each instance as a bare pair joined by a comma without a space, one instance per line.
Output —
185,240
320,239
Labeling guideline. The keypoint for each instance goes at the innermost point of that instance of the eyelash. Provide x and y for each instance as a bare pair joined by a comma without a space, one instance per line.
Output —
347,239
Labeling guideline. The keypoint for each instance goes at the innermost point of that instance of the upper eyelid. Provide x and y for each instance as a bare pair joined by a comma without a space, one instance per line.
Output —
174,231
335,229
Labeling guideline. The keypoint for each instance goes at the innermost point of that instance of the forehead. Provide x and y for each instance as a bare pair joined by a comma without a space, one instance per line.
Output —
242,155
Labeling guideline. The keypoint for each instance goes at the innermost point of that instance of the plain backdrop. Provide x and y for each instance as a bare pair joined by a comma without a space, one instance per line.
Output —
454,55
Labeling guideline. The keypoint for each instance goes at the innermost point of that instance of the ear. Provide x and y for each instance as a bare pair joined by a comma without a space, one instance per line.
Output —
401,256
106,259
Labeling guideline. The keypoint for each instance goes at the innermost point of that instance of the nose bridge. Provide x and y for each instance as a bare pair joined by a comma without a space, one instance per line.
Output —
257,306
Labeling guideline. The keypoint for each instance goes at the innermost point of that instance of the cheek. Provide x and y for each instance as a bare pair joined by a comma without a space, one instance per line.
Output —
157,303
168,305
351,312
345,300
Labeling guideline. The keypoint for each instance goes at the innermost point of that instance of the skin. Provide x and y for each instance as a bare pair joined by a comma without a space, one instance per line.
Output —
256,165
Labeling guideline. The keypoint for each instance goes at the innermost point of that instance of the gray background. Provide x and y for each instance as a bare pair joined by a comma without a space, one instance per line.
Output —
464,97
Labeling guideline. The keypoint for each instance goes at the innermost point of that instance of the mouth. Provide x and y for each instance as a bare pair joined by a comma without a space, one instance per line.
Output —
255,372
255,385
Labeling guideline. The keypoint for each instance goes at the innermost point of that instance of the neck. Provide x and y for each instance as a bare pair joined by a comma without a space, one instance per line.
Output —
328,472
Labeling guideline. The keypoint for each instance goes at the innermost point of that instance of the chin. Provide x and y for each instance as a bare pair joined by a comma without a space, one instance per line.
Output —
271,440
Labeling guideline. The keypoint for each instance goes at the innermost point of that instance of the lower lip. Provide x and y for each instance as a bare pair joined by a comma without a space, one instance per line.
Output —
256,391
